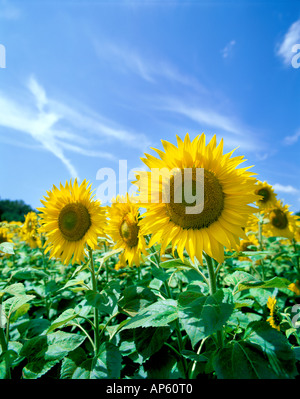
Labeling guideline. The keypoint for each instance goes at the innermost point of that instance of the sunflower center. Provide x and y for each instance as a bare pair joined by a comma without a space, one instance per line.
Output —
278,219
213,202
74,221
265,193
129,231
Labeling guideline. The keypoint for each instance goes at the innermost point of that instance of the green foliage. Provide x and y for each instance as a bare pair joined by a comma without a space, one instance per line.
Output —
14,210
160,321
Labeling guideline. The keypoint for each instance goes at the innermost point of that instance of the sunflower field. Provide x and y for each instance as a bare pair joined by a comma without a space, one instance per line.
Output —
141,289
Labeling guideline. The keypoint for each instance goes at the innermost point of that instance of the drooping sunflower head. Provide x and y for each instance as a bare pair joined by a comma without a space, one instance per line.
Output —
275,318
71,219
267,196
282,222
195,197
123,227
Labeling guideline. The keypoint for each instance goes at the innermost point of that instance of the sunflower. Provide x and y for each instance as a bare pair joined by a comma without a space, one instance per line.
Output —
297,230
282,222
274,319
225,201
123,228
30,231
250,241
71,218
5,235
295,287
267,196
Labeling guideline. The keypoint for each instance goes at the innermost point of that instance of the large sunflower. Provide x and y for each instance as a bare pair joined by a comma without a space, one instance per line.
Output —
282,223
227,193
267,196
123,228
70,219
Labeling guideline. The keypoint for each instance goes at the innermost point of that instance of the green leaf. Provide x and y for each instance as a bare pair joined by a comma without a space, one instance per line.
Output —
45,351
193,356
201,316
107,365
238,277
276,347
73,282
29,273
71,362
158,314
135,298
15,289
63,319
242,360
12,304
275,282
7,248
149,340
106,301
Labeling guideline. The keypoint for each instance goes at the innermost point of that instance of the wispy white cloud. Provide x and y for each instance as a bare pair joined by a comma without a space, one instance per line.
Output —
129,59
235,132
195,101
289,140
292,37
58,128
285,189
227,50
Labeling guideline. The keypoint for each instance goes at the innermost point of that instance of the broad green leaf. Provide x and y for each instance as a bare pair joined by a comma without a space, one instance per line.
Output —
15,289
44,351
7,248
71,362
107,365
204,315
158,314
29,273
239,277
193,356
149,340
72,283
276,347
275,282
135,298
242,360
106,301
63,319
12,304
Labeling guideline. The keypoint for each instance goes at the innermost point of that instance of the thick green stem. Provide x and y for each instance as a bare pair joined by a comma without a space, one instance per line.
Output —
96,313
4,346
177,326
212,289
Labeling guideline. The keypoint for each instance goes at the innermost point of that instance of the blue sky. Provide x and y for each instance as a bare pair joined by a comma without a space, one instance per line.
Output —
89,83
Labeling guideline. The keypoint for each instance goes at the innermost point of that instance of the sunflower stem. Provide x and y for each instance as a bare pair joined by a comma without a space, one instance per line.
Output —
213,289
4,345
96,313
177,326
260,238
297,256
